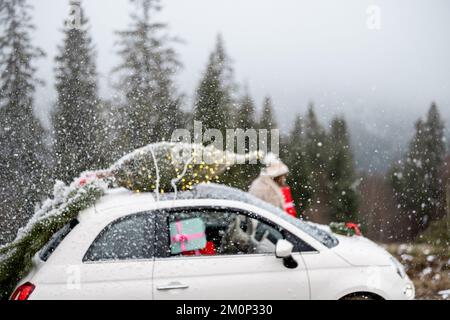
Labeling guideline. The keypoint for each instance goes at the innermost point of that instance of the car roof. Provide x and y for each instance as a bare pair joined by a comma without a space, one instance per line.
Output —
121,196
213,191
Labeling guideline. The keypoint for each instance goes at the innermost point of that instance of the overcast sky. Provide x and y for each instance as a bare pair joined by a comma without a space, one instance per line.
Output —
296,51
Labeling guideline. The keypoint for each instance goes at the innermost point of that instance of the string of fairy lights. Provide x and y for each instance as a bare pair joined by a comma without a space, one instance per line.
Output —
160,168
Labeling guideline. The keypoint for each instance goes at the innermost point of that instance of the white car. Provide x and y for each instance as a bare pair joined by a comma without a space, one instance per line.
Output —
130,246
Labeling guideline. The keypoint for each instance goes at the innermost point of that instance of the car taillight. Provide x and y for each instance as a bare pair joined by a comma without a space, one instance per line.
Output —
23,292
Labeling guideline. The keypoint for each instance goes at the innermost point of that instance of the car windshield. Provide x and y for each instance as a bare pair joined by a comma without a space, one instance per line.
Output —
319,234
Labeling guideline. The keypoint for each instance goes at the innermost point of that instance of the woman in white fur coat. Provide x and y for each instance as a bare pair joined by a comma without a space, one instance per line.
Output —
268,185
268,188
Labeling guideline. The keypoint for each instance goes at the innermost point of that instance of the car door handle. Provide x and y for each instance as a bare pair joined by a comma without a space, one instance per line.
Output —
173,286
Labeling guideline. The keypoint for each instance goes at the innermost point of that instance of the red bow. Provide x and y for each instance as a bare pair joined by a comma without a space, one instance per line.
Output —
355,227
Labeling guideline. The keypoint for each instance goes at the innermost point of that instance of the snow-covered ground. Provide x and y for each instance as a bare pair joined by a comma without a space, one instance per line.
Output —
427,266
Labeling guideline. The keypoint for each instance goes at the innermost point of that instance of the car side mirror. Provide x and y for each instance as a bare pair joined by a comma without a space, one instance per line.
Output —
283,250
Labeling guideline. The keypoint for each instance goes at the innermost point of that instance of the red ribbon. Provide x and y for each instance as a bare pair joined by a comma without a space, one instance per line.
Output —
355,227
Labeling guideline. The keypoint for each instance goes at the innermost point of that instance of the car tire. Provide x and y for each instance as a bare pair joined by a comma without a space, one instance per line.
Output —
359,296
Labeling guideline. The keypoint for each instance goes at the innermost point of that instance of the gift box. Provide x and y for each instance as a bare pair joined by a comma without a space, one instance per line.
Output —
187,235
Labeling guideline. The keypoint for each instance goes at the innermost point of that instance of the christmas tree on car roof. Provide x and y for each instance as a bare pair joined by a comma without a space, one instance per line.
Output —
159,167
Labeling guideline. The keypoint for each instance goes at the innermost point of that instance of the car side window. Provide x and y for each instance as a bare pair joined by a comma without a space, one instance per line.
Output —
220,232
127,238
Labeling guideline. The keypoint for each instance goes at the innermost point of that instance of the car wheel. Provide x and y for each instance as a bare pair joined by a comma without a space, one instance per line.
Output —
359,296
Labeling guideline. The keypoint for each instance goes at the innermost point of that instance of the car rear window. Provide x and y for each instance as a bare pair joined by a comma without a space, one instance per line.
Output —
127,238
56,239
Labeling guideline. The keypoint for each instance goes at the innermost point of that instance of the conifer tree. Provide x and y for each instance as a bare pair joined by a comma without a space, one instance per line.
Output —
246,112
341,193
242,175
294,153
77,116
418,186
316,155
245,116
152,106
214,97
22,147
436,151
268,120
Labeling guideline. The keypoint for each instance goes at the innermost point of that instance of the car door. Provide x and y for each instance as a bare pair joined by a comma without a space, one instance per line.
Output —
226,268
119,263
